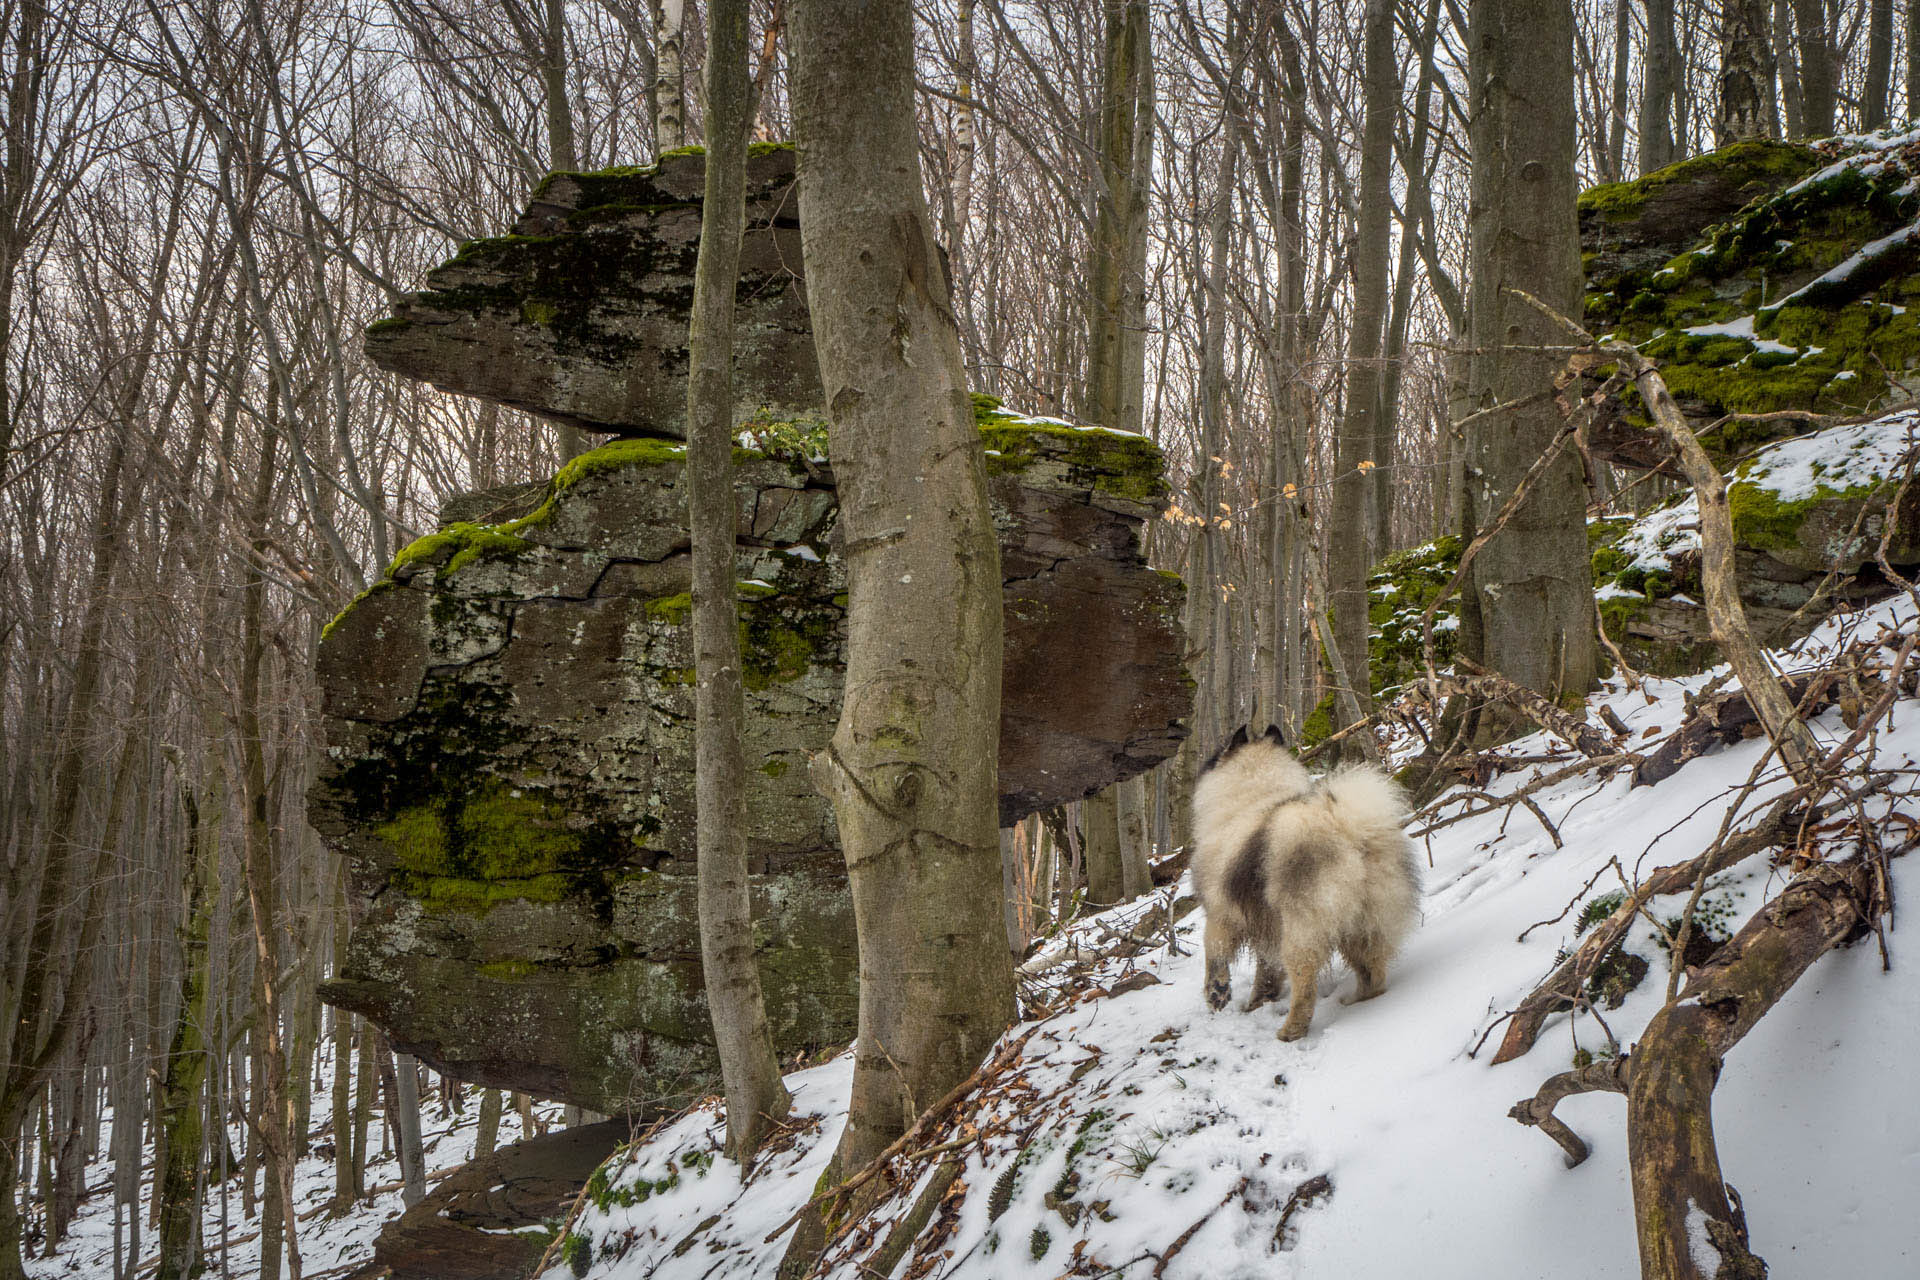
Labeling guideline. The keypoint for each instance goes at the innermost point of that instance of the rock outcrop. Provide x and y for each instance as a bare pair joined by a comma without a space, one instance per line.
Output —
1763,277
580,314
1773,284
509,710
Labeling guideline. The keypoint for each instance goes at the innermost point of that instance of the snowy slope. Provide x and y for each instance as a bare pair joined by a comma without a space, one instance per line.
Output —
1140,1127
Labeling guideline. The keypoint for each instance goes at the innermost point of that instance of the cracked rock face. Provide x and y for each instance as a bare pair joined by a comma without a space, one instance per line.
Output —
510,758
509,712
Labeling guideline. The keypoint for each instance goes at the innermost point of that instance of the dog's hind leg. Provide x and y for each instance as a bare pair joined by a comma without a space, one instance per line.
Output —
1369,960
1221,943
1267,980
1303,963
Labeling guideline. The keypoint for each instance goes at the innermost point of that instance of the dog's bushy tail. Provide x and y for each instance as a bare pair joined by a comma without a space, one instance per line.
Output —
1372,805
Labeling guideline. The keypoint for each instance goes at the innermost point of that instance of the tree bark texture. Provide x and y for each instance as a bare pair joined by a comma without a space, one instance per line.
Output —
1878,88
669,86
1100,838
1116,348
1348,549
553,79
181,1106
756,1097
1746,73
911,767
1660,71
1818,69
1532,586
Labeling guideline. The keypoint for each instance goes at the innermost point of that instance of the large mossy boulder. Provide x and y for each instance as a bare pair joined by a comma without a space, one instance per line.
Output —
509,711
1762,277
510,748
580,313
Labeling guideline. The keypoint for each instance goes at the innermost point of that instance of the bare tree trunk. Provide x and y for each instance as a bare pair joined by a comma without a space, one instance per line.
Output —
1878,89
1348,552
1100,839
413,1161
1913,60
1116,346
1656,93
553,80
1818,69
1787,60
756,1098
1531,603
1746,73
911,769
1136,842
181,1106
487,1135
1617,113
669,87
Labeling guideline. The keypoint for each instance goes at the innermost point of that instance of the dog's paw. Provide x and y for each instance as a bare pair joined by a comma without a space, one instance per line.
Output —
1218,993
1288,1033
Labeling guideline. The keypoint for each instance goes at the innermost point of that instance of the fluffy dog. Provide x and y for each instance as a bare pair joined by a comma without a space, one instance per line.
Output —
1295,867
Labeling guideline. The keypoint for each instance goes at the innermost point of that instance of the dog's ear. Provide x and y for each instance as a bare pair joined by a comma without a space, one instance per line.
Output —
1274,736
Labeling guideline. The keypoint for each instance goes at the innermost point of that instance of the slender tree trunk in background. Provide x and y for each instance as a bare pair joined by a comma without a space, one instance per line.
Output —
1787,61
1617,113
1136,840
669,87
1010,888
487,1135
1100,842
345,1185
413,1161
1818,72
1913,60
1413,161
1877,92
1532,588
553,82
366,1074
1117,343
275,1109
181,1105
912,767
1354,456
1660,71
523,1106
750,1071
1746,73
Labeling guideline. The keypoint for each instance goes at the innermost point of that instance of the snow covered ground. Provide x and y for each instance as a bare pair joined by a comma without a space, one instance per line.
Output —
1139,1126
327,1245
1136,1126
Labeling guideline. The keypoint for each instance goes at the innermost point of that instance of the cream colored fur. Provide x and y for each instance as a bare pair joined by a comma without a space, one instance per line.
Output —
1295,868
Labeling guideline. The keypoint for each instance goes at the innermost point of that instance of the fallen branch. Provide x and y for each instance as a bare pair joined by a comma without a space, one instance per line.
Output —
1676,1169
1611,1076
1569,728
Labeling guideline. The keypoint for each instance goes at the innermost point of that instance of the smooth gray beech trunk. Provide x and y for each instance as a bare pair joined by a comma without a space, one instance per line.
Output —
1360,433
1746,73
1661,69
911,768
749,1069
1529,615
413,1160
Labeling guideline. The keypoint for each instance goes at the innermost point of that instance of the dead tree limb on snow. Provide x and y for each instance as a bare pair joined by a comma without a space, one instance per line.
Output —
1611,1076
1786,816
1679,1195
1589,740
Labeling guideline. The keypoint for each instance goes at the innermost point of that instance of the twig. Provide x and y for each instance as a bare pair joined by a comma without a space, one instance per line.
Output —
1614,1076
